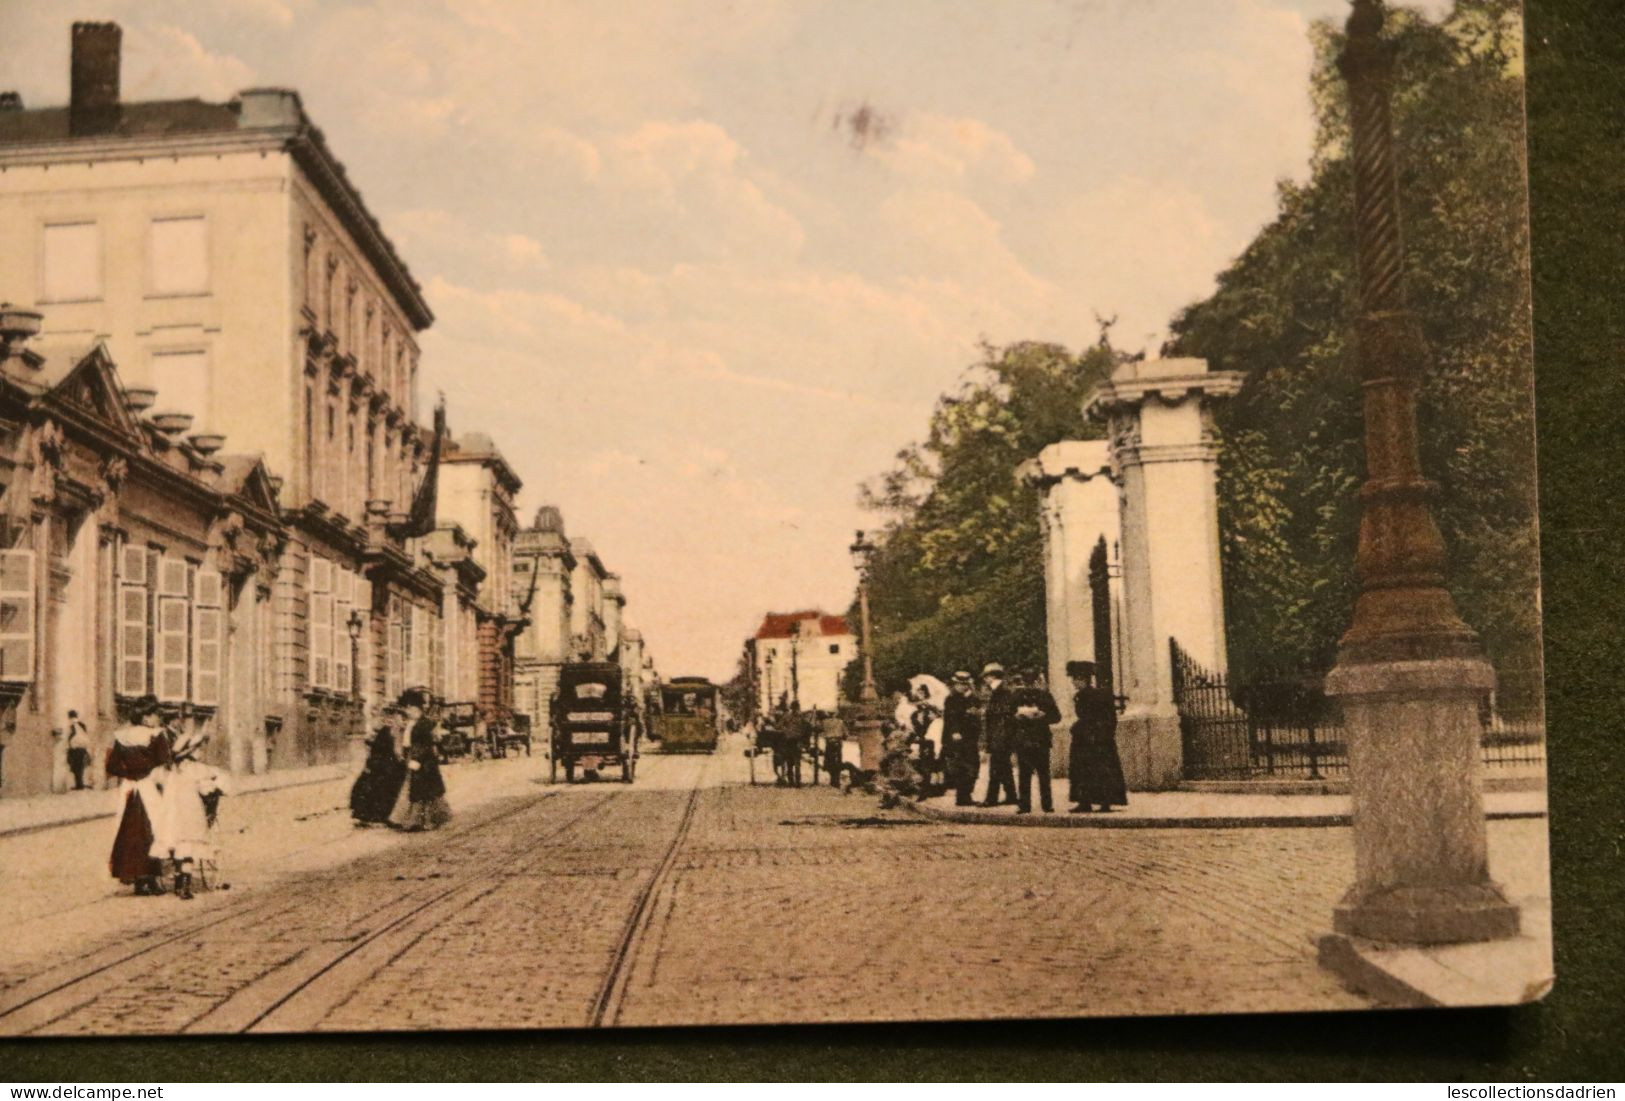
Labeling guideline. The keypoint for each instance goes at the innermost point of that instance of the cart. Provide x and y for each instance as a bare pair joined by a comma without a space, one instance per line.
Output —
593,725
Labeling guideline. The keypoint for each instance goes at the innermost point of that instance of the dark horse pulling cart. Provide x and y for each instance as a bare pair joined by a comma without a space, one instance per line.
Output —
594,727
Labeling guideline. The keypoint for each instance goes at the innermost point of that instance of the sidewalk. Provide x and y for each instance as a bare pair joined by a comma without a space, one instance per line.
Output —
1204,810
37,812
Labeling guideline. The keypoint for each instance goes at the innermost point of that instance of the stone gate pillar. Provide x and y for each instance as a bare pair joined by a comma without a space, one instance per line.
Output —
1077,508
1159,417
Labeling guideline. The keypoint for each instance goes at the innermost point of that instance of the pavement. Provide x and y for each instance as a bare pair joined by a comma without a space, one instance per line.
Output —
690,897
66,808
1204,810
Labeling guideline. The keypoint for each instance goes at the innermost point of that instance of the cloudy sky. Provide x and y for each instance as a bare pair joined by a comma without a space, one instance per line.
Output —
701,266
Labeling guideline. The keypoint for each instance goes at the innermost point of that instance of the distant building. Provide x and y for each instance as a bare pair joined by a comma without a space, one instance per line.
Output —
235,273
589,627
476,496
543,567
799,657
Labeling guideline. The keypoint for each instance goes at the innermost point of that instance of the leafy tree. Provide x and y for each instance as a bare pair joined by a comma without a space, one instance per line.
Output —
959,577
1282,314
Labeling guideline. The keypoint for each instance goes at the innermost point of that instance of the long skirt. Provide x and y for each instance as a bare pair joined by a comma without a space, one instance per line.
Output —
131,859
1096,772
375,792
414,815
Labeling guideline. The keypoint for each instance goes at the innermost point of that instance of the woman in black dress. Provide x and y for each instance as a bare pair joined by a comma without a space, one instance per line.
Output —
382,777
1095,770
422,803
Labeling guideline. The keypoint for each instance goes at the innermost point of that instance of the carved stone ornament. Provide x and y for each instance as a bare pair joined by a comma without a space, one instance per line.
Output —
45,447
310,239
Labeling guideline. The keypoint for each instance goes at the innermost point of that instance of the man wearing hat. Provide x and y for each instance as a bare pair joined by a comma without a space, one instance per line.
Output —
961,722
1033,712
996,719
1095,771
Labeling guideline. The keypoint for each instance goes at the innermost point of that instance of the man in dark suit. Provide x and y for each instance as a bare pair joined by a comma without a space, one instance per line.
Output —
961,736
996,729
1033,712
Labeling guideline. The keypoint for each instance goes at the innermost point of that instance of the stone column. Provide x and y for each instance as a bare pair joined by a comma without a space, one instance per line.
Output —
1159,416
1077,507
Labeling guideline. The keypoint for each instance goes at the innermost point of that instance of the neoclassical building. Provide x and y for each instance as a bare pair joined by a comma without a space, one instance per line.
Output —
231,267
134,559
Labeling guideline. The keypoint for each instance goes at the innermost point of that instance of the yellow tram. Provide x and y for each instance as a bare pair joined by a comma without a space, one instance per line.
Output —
687,718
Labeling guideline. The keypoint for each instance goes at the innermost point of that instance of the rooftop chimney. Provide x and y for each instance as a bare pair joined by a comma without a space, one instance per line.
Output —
93,104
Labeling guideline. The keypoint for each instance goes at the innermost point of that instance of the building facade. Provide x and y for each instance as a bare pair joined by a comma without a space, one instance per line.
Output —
134,560
476,493
798,657
235,275
544,567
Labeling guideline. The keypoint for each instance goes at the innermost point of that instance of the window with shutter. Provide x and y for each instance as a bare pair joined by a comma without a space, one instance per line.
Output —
171,648
208,631
16,616
319,632
343,592
132,639
132,567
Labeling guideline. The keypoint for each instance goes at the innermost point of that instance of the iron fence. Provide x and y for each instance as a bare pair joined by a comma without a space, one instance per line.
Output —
1287,728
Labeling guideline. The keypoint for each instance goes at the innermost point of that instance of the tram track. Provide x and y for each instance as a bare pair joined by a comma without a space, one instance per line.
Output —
56,993
611,996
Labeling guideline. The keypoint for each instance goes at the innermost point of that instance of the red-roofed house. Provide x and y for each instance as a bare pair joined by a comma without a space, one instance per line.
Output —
799,656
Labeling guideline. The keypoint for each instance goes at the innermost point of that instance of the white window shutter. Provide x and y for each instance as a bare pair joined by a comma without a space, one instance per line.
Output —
132,639
171,649
172,576
132,568
342,590
321,640
210,588
16,616
207,643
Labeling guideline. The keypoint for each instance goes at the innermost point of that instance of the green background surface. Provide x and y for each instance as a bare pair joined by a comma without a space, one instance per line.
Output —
1577,176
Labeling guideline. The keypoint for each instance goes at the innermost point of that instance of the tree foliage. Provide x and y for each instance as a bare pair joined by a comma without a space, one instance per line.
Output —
1283,313
959,578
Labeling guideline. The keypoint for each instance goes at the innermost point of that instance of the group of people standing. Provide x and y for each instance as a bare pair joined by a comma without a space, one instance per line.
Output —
400,785
171,801
1011,718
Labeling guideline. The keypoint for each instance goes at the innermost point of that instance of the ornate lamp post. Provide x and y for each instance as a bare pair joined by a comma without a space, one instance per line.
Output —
795,665
863,552
1410,674
768,662
867,714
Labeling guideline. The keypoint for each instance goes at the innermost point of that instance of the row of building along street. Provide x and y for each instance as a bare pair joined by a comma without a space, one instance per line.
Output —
219,484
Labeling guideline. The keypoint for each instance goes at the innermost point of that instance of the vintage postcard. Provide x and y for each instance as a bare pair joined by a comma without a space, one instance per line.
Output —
432,438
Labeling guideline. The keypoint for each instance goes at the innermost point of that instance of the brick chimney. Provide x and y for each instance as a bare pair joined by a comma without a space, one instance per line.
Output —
93,104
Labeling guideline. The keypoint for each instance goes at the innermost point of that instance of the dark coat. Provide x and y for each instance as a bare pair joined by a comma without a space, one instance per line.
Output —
1032,733
960,716
376,789
426,783
997,717
1095,773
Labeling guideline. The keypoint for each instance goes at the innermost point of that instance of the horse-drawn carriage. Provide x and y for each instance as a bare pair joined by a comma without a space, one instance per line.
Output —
595,726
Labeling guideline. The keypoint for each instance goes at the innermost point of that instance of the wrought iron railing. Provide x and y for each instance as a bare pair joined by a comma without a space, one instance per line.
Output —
1287,728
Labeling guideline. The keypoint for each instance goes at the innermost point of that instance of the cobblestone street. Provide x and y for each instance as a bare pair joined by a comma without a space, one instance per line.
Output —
692,897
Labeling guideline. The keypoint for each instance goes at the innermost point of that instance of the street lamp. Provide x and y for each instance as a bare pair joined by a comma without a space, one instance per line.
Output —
1409,674
768,662
868,712
863,552
355,624
795,665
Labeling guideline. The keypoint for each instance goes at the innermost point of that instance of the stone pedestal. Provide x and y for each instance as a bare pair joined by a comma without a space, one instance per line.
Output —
1421,874
1077,509
1159,418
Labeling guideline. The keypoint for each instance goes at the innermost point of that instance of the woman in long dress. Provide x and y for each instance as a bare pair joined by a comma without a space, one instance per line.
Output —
1094,768
382,777
140,749
422,803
